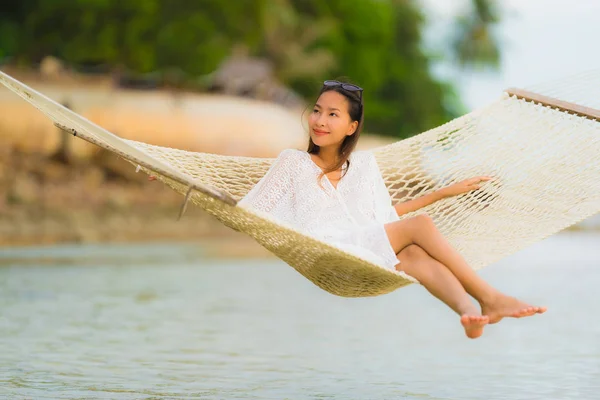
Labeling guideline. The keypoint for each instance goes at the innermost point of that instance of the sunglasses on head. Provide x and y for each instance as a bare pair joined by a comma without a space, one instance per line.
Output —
346,86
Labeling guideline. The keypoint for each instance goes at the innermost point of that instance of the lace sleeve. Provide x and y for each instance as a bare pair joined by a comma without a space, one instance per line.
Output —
384,210
274,194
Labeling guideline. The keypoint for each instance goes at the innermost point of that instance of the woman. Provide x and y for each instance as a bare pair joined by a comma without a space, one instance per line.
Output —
338,195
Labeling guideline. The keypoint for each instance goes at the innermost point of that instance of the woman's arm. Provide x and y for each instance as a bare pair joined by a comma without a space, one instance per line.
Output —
448,191
418,203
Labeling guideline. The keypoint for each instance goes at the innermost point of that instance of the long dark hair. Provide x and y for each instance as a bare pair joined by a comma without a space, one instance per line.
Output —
356,111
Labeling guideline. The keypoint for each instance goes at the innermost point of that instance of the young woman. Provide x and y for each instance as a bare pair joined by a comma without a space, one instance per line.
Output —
338,195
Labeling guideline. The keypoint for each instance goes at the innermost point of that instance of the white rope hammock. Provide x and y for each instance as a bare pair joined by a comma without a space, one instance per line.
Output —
545,156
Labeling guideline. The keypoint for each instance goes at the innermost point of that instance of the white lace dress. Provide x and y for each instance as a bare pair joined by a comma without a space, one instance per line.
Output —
350,217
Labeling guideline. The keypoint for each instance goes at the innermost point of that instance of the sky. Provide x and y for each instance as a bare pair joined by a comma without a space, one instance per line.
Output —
541,40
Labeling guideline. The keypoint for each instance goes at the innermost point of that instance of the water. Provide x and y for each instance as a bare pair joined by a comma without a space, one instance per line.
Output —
159,322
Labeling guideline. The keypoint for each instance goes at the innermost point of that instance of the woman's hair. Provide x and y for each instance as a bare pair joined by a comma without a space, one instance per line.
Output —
356,111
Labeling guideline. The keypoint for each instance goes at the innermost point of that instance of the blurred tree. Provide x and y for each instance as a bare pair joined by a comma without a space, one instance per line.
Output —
12,15
289,38
474,43
376,42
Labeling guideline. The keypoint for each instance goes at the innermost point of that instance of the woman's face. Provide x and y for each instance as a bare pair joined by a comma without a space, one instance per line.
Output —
329,123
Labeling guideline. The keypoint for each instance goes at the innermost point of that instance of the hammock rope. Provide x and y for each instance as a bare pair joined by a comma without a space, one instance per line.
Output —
543,149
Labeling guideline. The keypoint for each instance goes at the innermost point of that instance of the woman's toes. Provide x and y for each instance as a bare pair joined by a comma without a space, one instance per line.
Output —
516,313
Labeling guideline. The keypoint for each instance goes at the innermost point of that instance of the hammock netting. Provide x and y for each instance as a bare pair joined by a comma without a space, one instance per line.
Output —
545,157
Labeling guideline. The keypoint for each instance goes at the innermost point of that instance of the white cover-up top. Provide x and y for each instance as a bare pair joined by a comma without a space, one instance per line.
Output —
350,217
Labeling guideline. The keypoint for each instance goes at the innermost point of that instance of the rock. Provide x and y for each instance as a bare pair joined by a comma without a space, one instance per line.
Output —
24,190
51,68
56,172
240,75
93,178
118,201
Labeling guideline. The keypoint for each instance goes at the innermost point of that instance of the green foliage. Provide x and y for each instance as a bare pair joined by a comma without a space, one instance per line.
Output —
475,44
375,43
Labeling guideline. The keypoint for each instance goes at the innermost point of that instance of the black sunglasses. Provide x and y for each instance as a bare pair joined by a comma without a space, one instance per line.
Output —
346,86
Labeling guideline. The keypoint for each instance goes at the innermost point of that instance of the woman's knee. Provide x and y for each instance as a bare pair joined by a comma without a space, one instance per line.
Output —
411,253
413,261
407,232
423,219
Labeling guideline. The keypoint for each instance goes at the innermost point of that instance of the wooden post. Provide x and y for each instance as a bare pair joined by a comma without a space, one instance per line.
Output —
572,108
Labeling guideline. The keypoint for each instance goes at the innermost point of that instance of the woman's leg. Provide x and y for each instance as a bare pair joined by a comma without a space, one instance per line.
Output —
440,282
421,230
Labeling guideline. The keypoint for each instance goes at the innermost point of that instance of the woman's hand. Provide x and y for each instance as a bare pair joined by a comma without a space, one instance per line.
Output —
465,186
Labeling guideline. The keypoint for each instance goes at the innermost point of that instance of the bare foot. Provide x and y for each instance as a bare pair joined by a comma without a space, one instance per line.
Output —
474,324
151,178
506,306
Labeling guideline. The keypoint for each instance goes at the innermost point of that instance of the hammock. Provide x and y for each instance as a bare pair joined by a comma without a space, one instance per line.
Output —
542,143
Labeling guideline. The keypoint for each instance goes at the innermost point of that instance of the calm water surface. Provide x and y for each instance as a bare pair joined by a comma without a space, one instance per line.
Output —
161,322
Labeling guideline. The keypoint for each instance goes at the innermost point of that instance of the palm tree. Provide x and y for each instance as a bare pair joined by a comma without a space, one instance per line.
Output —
475,44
